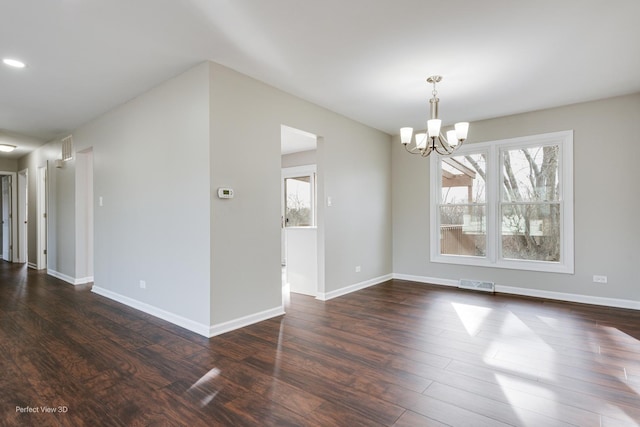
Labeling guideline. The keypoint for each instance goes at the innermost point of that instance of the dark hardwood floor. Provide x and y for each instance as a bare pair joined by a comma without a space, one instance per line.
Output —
396,354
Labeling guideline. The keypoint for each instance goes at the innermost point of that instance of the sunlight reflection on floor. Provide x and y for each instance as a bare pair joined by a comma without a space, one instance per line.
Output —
543,362
204,386
550,321
524,396
471,316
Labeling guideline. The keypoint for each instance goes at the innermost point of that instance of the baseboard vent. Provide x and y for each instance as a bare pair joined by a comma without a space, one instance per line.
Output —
477,285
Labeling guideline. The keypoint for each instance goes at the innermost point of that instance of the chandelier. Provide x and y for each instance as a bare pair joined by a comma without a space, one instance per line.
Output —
433,140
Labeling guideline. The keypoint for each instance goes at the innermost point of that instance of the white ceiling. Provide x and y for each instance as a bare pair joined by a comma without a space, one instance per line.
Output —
365,59
295,140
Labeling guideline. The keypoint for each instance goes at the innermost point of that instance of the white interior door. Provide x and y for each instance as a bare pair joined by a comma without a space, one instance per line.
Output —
42,218
302,260
6,218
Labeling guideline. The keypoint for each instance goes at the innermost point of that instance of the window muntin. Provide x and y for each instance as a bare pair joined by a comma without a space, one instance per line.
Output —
520,202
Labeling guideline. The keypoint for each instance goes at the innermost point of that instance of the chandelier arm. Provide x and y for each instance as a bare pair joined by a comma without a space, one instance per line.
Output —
427,151
445,143
413,150
446,149
442,137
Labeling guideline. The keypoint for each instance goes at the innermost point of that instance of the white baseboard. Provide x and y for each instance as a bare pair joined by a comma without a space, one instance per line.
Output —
84,280
61,276
561,296
32,265
183,322
558,296
425,279
241,322
69,279
352,288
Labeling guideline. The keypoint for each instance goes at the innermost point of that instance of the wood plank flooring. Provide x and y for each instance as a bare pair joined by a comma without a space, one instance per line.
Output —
396,354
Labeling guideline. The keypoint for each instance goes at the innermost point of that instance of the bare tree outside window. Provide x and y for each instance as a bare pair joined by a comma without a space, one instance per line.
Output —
298,202
530,204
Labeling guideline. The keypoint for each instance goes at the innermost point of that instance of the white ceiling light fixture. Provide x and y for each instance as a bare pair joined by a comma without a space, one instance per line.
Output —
433,140
7,148
13,63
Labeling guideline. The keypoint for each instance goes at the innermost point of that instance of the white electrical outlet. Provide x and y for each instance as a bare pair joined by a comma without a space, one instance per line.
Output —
600,279
143,284
358,269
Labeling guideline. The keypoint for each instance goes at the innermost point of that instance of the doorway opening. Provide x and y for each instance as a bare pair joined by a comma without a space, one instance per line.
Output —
299,213
8,228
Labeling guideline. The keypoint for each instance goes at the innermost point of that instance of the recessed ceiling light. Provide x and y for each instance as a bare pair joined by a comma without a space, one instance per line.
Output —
7,148
13,63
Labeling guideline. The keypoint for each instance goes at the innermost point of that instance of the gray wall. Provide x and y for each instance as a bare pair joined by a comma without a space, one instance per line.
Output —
61,252
151,168
606,153
8,165
355,169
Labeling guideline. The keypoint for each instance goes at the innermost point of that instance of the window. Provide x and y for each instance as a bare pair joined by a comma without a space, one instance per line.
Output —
463,206
506,204
299,196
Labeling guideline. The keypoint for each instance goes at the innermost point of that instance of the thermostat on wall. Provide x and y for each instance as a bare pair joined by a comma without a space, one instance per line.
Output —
225,193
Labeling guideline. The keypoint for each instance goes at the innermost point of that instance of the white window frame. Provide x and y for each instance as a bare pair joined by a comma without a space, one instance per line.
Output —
295,172
564,140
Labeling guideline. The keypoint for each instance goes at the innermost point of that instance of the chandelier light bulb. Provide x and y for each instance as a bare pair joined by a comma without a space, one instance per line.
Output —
452,138
462,129
405,135
433,128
